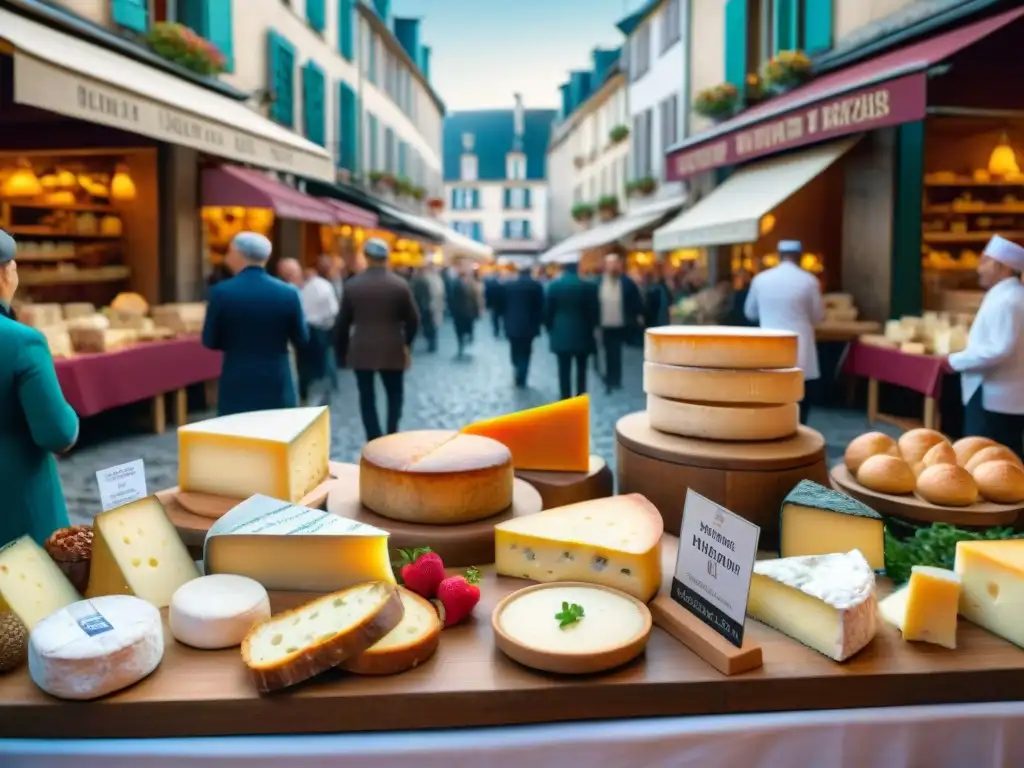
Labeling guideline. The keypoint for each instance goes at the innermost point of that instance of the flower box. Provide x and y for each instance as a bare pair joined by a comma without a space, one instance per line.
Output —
180,45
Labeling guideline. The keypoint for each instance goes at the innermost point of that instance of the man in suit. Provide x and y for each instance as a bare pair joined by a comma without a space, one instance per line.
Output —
523,314
35,421
381,308
622,317
421,293
252,318
493,300
464,305
571,315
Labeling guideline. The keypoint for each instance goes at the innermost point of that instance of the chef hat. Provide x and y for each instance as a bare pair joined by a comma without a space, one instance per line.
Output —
7,247
253,246
1006,252
790,246
375,248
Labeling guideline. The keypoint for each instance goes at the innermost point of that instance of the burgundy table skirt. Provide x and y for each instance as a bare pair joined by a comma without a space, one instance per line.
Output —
93,383
919,373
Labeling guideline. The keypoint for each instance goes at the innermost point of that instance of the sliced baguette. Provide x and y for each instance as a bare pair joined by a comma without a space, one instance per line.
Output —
298,644
405,647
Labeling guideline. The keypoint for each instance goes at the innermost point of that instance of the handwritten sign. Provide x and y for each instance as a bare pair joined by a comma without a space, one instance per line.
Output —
717,550
122,484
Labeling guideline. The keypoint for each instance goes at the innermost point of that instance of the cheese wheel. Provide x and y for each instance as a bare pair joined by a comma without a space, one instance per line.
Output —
709,346
736,421
717,385
1000,481
217,611
406,646
992,453
947,485
435,477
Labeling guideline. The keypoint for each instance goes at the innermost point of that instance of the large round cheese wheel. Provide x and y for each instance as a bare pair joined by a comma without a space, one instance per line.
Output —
736,421
435,477
718,385
217,611
710,346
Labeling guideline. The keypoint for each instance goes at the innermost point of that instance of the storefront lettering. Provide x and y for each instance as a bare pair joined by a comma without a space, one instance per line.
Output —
189,129
100,103
711,156
865,108
245,145
280,155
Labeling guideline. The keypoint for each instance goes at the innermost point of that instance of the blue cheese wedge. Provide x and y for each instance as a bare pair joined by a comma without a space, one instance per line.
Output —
815,520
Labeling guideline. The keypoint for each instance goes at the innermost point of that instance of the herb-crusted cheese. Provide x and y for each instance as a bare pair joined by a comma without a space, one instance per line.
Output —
815,520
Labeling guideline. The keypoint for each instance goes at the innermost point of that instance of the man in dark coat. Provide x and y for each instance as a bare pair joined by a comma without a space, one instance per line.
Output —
252,318
465,307
421,293
522,314
493,300
622,317
376,329
571,315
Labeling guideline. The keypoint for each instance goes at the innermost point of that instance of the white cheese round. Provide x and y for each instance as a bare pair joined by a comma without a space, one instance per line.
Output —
718,385
217,611
95,647
711,346
735,421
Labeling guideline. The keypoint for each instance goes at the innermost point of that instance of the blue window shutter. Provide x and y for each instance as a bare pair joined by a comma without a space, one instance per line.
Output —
505,229
281,78
526,229
478,233
402,158
817,25
314,119
785,25
371,61
736,43
217,27
455,199
346,29
374,141
316,14
476,200
526,198
131,14
347,126
507,198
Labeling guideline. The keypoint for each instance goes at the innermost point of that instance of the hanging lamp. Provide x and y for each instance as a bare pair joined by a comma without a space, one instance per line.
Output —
1003,161
23,182
122,188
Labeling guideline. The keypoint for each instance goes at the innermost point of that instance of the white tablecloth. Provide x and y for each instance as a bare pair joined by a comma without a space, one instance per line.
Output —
953,736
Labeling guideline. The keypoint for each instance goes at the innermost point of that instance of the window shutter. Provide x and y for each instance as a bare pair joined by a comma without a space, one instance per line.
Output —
506,230
736,43
526,229
347,126
402,159
131,14
346,29
374,143
316,14
371,60
476,199
478,232
526,198
216,25
281,78
455,199
785,24
313,103
507,196
817,25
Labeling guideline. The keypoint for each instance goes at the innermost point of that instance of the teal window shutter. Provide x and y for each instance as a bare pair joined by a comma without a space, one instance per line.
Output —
374,130
785,25
736,43
403,149
817,26
131,14
455,199
526,198
314,119
281,78
506,230
507,198
526,229
346,29
219,29
476,199
316,14
371,61
478,233
347,126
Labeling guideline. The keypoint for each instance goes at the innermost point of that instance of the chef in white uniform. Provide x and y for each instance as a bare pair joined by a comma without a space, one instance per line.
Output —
992,367
788,298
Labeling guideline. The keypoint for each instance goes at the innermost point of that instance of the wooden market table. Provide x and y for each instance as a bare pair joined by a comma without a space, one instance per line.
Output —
919,373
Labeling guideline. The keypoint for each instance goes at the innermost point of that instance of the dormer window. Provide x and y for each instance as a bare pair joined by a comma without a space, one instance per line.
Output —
468,169
467,142
515,166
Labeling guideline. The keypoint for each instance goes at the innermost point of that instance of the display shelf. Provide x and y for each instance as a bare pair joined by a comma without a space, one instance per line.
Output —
987,210
73,277
92,208
22,259
51,234
967,181
967,237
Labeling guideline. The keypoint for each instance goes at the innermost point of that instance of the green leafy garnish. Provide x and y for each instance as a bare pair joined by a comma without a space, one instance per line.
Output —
935,545
569,614
472,575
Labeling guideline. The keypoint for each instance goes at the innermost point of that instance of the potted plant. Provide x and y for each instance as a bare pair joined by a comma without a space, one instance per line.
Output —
418,193
403,187
641,187
786,70
376,178
435,204
608,207
180,45
388,181
754,92
717,103
618,133
583,212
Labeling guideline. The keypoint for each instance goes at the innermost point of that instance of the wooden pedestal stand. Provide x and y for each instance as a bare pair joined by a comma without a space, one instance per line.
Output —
557,489
704,641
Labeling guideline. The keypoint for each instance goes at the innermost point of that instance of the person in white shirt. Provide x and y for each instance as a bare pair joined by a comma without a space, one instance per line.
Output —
788,298
991,368
316,368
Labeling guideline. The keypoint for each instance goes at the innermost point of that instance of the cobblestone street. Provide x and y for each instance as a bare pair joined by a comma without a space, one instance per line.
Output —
440,393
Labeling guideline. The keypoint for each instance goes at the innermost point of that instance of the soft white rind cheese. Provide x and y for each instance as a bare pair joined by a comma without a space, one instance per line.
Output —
708,421
717,385
95,647
217,611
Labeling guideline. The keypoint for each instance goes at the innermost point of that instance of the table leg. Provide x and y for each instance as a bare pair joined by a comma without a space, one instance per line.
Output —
181,407
159,415
851,391
872,400
931,413
210,392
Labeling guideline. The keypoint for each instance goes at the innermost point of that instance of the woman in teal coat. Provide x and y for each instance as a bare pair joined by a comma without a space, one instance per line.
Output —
35,421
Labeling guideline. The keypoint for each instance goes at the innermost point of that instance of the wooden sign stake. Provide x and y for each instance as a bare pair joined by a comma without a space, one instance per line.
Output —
702,640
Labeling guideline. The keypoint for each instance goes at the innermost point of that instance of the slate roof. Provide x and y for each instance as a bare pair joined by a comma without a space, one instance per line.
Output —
493,137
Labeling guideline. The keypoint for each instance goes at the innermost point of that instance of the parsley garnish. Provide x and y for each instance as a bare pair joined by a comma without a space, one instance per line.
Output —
935,545
569,614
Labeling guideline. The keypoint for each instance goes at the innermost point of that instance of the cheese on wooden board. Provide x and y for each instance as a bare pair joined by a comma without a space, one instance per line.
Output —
816,520
217,611
826,602
613,542
94,647
298,644
280,453
137,551
550,438
287,547
709,346
436,477
736,421
926,608
717,385
32,586
992,586
406,646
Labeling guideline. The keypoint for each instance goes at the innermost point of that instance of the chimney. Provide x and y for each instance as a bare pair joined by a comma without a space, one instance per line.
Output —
518,124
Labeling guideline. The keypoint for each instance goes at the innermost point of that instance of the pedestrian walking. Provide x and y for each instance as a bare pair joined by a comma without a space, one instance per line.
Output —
571,315
522,317
317,370
622,317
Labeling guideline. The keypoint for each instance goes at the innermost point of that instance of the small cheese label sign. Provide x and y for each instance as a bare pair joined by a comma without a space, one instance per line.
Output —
122,484
717,550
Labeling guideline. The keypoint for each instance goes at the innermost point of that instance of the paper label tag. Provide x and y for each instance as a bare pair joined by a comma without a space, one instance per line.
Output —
717,550
122,484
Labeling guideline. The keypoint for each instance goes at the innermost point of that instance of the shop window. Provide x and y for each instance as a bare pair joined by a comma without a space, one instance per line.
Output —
316,14
210,18
346,29
131,14
314,119
347,126
281,78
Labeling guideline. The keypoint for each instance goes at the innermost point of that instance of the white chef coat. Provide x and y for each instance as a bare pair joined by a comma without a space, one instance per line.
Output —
994,358
788,298
319,302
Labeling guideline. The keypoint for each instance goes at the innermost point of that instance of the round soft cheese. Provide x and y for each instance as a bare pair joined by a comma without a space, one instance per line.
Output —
735,421
217,611
95,647
435,477
710,346
718,385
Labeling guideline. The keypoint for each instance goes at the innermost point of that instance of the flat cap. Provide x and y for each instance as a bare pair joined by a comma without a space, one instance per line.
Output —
7,247
375,248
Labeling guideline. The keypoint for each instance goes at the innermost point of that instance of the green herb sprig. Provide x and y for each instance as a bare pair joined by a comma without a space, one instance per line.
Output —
935,545
569,615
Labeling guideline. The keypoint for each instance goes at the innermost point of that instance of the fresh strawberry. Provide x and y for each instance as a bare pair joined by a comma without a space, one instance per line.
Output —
457,596
421,571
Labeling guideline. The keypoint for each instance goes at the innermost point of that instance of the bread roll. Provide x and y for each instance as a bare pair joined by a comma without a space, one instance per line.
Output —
917,442
867,445
940,453
947,485
1000,481
992,453
886,474
966,447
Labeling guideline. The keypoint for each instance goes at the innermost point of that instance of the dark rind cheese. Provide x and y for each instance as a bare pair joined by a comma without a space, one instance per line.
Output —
815,520
811,494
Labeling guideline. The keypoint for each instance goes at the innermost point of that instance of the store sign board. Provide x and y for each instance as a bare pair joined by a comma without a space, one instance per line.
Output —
891,103
42,85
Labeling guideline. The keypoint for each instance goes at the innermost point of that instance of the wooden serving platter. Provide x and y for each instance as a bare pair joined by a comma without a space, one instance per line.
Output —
913,507
558,489
468,683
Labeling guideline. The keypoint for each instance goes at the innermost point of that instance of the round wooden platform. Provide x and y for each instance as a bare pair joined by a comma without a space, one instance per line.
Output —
560,488
750,479
913,507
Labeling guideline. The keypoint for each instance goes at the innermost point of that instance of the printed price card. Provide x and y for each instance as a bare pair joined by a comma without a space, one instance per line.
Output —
717,550
122,484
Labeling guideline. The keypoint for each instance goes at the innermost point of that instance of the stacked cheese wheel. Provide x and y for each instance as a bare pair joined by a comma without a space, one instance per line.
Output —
719,383
944,473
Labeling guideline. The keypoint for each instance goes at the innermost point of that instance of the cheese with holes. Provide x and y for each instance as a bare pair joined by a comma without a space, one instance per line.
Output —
733,421
551,438
217,611
435,477
32,586
614,542
280,453
826,602
815,520
136,551
287,547
406,646
992,586
717,385
95,647
710,346
926,608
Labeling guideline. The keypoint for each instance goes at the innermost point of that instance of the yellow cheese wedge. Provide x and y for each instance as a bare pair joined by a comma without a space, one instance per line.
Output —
992,586
815,520
926,608
31,585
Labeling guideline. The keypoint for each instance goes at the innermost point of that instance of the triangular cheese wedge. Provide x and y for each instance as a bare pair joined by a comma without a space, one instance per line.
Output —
32,586
551,438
